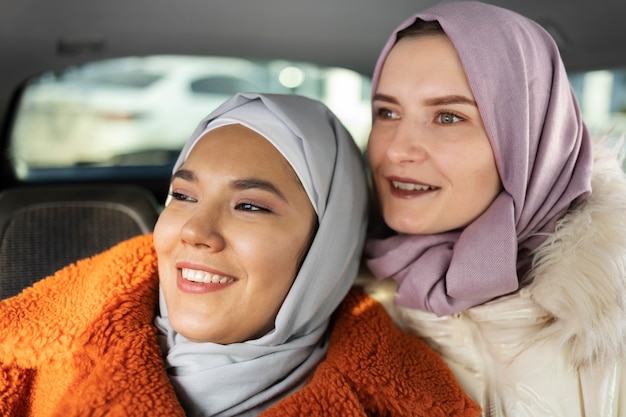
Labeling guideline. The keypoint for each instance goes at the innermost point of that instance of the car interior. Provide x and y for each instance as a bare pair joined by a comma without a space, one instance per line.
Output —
47,228
97,98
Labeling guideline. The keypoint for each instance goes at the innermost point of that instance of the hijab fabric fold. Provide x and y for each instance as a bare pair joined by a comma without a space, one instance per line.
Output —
542,151
244,378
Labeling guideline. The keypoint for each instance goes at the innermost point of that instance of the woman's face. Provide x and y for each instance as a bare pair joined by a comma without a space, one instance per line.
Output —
231,240
432,163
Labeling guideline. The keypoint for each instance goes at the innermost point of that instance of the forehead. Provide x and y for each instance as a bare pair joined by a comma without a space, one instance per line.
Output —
432,48
425,65
229,139
237,148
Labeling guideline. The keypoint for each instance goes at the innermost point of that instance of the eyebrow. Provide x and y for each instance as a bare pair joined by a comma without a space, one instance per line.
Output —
238,184
185,174
250,183
435,101
453,99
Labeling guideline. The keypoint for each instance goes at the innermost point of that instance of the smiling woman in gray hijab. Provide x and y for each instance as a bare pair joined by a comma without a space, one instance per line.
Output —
503,232
247,375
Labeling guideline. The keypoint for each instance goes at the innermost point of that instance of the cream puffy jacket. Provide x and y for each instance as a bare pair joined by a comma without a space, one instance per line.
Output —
558,346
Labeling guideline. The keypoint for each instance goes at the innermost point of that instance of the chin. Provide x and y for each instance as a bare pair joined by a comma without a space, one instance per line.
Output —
400,223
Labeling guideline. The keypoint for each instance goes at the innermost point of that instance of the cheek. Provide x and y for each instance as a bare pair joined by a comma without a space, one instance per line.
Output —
280,257
270,265
287,260
163,244
487,174
276,256
165,234
484,182
491,184
376,152
375,149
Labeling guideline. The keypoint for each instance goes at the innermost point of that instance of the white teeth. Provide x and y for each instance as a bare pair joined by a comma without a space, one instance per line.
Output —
205,277
411,187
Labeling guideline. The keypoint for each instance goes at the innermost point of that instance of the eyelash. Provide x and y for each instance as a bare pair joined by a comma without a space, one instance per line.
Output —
180,196
244,206
247,206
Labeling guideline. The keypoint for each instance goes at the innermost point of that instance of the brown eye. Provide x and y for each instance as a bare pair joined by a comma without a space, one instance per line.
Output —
250,207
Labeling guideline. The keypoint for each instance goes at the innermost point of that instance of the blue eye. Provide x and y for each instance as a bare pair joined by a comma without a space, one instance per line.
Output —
447,118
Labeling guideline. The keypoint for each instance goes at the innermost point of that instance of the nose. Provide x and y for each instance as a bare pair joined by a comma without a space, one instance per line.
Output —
203,230
406,144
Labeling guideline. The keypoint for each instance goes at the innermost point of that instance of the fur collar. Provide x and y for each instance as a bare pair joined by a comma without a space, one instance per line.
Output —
579,273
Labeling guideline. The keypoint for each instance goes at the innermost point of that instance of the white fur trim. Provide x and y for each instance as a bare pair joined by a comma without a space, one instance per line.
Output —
579,273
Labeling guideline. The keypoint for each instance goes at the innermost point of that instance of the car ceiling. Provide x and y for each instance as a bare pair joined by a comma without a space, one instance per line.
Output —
41,35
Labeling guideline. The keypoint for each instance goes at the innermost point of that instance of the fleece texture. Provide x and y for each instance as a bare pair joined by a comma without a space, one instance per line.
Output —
82,343
579,272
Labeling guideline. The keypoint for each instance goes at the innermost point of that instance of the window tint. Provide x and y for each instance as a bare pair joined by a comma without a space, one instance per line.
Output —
134,79
139,111
602,97
222,85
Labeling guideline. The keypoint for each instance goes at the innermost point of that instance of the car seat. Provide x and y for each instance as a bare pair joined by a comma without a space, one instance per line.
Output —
43,229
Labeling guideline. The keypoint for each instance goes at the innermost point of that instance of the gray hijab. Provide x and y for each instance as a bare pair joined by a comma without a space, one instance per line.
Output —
542,150
245,378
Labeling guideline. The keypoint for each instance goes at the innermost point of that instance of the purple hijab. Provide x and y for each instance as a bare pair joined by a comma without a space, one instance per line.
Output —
542,150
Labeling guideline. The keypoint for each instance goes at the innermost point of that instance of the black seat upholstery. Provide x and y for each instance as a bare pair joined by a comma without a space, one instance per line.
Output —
43,229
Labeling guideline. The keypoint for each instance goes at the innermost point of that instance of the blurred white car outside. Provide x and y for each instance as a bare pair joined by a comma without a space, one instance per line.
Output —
140,110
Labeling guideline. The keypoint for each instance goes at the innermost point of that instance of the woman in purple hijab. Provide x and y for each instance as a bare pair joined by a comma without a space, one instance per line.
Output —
504,231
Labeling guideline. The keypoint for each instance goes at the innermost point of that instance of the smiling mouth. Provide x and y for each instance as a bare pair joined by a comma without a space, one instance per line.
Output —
204,277
408,186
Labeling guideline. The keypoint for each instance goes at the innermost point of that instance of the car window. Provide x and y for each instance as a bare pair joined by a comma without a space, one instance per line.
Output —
139,111
123,79
602,97
222,84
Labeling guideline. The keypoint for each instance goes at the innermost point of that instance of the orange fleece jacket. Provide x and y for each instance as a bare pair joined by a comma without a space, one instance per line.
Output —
82,343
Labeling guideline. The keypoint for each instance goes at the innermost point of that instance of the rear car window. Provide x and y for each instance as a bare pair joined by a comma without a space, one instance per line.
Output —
104,118
94,120
130,79
602,97
221,84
